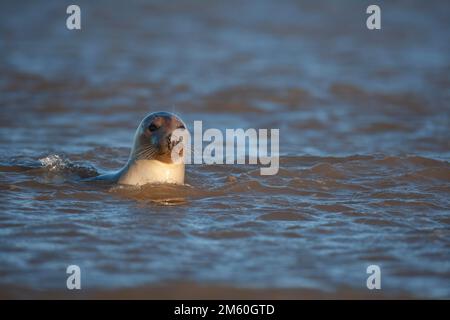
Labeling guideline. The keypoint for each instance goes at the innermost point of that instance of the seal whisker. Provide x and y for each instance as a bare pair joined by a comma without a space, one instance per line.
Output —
147,152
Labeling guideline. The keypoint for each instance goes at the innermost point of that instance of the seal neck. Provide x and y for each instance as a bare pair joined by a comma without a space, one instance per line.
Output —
140,172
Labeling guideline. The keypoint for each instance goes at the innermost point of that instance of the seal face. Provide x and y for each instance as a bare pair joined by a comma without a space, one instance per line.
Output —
155,138
156,151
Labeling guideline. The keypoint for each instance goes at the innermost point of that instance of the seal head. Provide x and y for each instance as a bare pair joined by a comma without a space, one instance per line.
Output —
155,138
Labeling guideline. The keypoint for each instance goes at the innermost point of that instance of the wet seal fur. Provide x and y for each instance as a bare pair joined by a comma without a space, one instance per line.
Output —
150,158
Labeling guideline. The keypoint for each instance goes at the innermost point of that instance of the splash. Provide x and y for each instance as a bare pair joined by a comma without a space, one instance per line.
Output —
58,164
54,162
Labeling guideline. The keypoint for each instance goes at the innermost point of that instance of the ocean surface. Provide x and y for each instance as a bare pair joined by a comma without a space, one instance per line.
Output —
364,174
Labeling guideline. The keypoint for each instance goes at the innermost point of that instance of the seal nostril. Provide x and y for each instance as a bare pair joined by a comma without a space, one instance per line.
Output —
169,141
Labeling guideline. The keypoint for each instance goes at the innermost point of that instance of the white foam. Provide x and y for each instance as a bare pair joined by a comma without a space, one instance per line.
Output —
53,162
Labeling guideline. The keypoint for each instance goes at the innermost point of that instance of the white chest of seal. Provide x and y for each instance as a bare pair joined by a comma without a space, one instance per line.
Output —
140,172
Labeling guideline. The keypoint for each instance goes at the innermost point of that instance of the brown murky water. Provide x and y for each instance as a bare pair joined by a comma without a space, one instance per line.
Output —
364,129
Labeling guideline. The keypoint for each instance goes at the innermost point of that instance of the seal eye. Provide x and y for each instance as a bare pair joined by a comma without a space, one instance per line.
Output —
152,127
